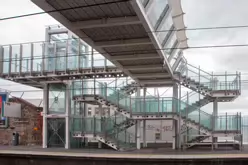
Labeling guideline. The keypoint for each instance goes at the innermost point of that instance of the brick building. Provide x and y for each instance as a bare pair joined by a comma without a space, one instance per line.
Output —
29,126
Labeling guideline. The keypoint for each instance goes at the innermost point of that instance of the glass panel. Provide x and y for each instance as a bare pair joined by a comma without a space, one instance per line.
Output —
157,9
57,98
227,122
169,44
54,56
56,132
49,60
164,30
26,57
73,52
6,58
15,62
99,60
37,61
58,55
211,81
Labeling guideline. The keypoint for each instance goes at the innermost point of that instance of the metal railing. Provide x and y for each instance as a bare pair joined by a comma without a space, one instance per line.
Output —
154,105
213,81
70,54
104,127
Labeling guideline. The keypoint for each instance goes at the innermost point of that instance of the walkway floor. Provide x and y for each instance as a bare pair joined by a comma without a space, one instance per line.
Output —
160,153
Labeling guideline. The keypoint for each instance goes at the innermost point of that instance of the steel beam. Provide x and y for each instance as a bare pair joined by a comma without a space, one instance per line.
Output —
156,82
128,42
45,111
136,57
143,67
152,75
106,22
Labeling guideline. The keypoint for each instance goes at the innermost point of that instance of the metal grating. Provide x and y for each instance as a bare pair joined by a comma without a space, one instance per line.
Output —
162,70
116,32
94,9
141,62
125,50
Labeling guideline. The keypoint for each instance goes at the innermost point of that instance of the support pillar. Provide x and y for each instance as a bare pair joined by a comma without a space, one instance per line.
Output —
45,111
175,122
136,131
215,114
144,134
100,112
138,134
174,134
68,115
144,121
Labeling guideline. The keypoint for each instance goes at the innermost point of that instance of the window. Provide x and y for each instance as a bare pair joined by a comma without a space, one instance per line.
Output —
158,136
97,111
89,112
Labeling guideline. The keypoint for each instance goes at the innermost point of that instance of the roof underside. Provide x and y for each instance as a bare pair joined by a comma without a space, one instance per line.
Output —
113,28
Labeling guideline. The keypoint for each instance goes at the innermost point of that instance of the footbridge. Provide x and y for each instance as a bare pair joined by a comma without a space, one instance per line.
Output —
135,35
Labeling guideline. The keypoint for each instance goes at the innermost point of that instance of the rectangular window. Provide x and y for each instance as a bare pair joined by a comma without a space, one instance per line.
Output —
89,112
158,136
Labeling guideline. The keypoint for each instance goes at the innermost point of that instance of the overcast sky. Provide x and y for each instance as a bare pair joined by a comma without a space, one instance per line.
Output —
198,13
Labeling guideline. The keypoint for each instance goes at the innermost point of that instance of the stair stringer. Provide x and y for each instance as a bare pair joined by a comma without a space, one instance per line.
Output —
107,142
194,125
198,87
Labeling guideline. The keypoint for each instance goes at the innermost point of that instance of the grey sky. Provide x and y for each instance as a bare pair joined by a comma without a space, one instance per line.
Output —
199,13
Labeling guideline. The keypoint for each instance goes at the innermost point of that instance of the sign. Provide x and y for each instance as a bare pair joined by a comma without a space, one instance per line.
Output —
3,100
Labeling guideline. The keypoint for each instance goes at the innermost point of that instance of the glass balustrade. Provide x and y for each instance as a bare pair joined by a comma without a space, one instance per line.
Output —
223,81
106,127
59,55
151,105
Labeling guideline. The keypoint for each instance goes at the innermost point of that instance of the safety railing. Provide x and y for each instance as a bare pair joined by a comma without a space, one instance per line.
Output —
213,81
151,105
61,55
104,127
228,122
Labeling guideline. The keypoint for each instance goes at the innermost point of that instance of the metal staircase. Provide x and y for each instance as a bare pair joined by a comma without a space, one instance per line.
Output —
224,88
126,105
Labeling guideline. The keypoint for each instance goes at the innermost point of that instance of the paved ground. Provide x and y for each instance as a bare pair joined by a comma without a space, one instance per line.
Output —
158,153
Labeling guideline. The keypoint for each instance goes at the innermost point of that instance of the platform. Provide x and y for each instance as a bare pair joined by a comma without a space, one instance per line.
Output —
149,153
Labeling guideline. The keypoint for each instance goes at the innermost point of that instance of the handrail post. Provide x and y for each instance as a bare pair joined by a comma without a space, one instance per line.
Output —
237,121
226,121
187,69
226,81
159,104
187,113
130,104
199,78
94,86
180,115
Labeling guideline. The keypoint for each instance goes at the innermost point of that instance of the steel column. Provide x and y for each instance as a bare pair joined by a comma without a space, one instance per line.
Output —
174,122
144,134
1,59
100,112
45,111
138,134
68,115
144,121
215,114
